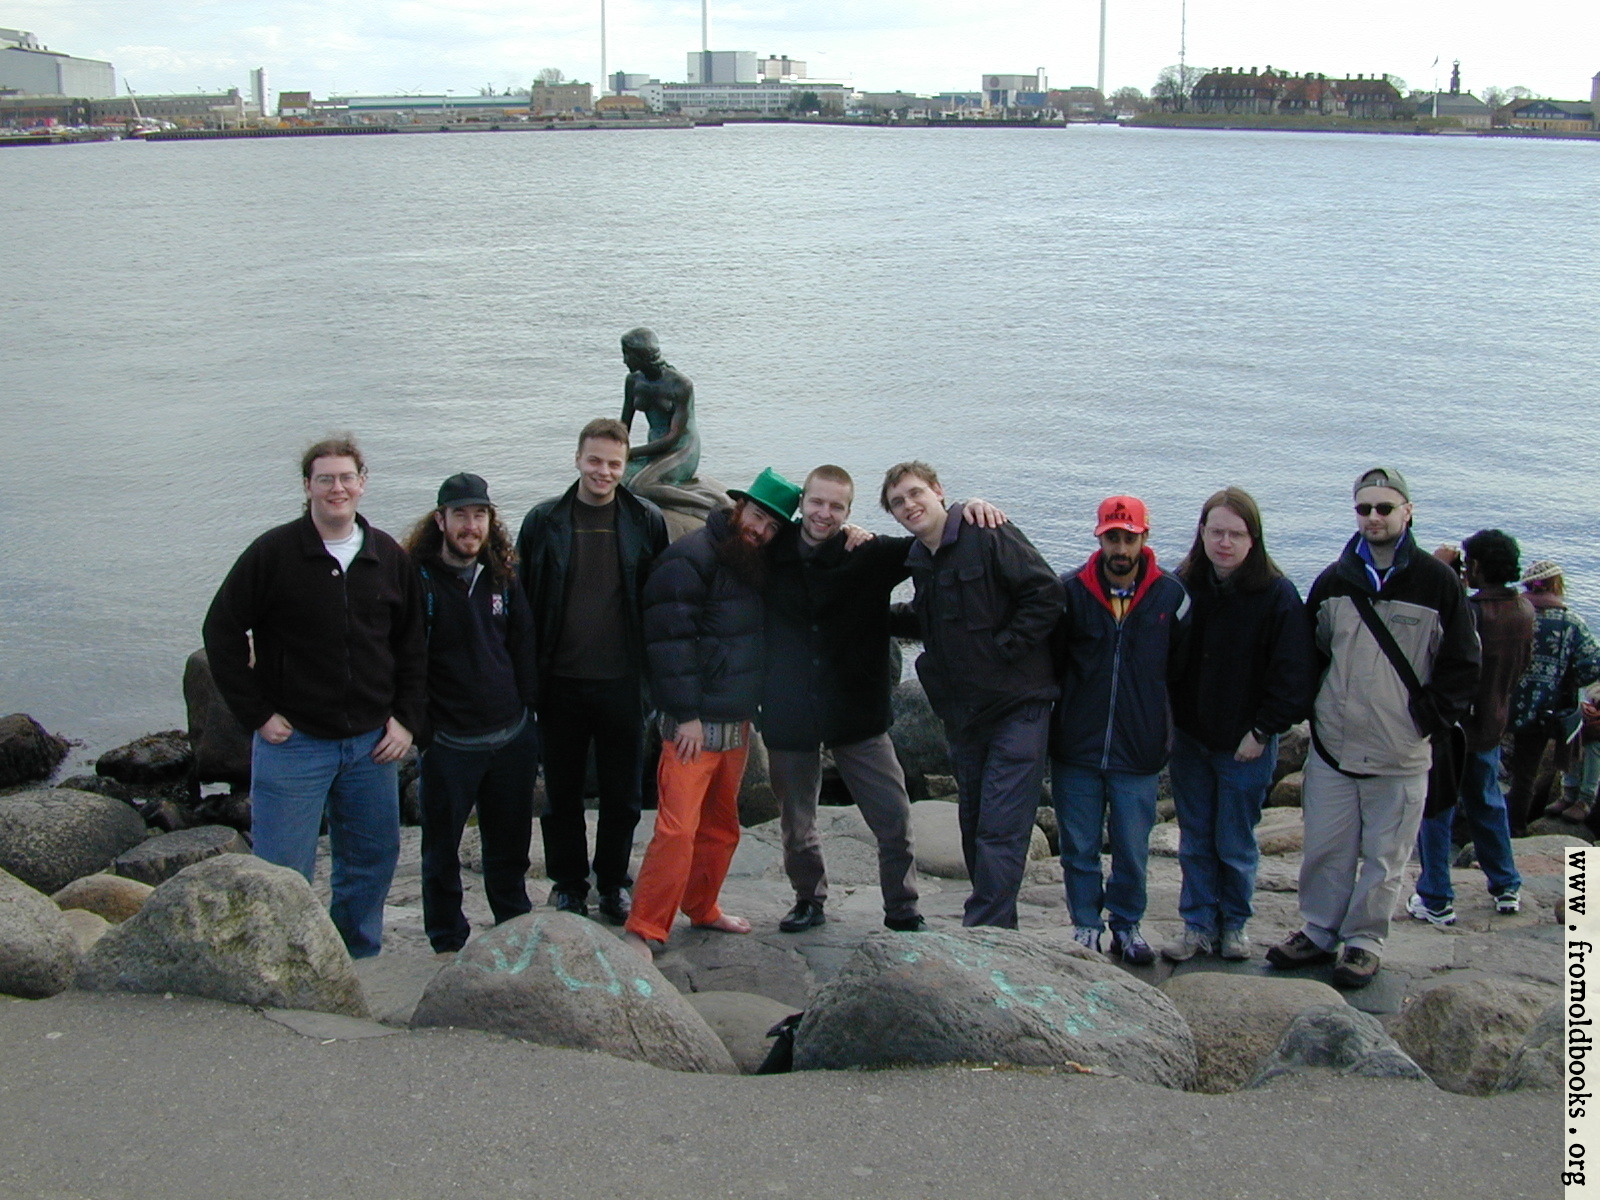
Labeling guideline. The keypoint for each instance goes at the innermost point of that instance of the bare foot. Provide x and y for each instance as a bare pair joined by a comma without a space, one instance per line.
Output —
727,923
643,947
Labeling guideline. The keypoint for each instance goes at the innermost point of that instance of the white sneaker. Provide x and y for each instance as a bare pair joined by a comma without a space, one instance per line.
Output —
1187,944
1235,945
1087,935
1440,917
1507,903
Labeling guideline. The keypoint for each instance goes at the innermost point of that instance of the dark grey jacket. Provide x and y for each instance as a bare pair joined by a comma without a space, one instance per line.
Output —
985,606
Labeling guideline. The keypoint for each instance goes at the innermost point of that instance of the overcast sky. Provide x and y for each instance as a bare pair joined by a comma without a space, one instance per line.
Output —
380,46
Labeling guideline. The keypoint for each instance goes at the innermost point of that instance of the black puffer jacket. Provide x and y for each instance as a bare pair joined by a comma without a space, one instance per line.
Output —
702,630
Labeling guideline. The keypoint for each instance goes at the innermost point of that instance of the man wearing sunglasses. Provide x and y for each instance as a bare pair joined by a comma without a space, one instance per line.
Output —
1366,780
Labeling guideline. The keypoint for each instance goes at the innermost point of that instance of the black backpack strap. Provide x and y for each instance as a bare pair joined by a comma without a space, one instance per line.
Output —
427,601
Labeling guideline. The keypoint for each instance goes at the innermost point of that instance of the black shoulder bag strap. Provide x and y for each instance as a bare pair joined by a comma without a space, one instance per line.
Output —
1397,659
1449,745
1390,647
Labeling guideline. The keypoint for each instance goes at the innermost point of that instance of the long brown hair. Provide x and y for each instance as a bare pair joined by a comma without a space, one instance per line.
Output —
1257,571
499,553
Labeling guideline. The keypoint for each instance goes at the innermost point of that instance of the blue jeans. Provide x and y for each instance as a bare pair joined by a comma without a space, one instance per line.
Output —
997,781
1219,802
1484,806
292,784
1083,796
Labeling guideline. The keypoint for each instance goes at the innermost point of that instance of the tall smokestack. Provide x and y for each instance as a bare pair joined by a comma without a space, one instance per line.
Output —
1100,84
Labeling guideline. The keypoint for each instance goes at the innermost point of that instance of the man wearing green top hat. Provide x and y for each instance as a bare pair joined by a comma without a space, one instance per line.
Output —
703,646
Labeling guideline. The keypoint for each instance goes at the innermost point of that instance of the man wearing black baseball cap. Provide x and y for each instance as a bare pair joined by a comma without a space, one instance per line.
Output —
481,685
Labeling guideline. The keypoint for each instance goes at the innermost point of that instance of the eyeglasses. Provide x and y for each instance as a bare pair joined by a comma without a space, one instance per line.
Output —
1383,510
348,480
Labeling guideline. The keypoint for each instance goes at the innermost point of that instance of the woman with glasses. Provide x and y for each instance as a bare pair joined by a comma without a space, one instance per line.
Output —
1248,678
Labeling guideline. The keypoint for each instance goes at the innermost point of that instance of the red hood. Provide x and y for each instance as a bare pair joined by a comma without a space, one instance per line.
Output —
1090,574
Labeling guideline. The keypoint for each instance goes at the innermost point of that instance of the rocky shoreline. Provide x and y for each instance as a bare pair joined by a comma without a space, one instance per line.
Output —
154,890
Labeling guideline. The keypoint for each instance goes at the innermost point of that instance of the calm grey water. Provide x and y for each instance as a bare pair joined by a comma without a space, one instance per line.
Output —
1048,316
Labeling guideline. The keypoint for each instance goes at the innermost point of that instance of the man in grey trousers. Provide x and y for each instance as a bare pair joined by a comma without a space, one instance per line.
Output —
828,678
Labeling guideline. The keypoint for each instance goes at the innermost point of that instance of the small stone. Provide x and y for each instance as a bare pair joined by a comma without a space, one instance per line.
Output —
1281,831
87,927
154,758
1286,793
112,897
160,858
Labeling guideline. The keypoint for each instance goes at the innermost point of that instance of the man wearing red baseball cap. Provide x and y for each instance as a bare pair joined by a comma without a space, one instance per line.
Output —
1121,638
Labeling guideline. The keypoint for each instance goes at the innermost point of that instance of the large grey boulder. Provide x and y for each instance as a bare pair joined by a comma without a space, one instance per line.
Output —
936,835
560,980
160,858
109,896
1341,1039
992,995
221,744
51,836
27,751
1237,1020
742,1021
231,928
37,951
1464,1032
1538,1062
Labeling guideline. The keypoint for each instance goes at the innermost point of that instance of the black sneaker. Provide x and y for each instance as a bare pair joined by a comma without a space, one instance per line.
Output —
1129,945
615,906
806,914
569,902
912,924
1356,969
1297,950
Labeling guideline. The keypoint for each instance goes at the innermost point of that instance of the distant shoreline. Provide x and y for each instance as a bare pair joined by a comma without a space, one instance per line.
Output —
1205,121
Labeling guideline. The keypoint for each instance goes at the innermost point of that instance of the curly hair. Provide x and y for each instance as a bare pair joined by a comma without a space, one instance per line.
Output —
1497,555
499,553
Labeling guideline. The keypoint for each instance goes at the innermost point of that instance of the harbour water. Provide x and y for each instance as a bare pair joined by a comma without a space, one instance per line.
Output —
1047,316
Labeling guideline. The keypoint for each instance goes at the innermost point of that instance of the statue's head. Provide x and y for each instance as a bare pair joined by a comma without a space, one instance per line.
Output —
640,348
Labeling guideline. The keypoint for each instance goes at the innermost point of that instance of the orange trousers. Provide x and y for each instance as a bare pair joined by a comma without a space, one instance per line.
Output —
697,831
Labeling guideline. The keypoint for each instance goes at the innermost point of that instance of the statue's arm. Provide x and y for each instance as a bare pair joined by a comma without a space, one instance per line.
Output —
677,427
627,402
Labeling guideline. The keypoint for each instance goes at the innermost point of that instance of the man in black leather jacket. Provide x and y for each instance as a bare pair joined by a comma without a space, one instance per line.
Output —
583,558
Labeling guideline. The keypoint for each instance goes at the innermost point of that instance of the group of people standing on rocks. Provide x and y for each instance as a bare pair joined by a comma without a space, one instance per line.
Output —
340,648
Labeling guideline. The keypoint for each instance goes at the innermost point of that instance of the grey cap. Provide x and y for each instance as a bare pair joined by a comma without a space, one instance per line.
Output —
464,488
1382,477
